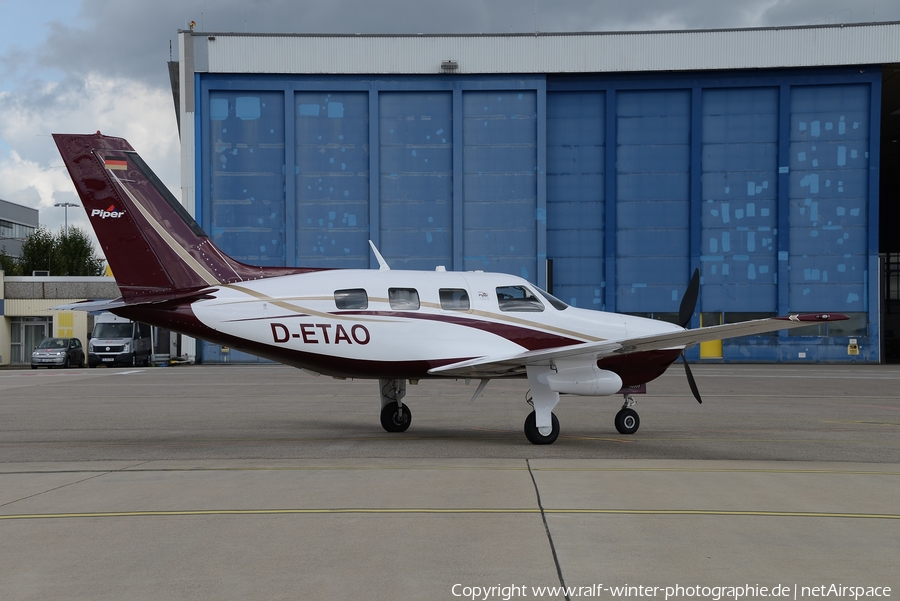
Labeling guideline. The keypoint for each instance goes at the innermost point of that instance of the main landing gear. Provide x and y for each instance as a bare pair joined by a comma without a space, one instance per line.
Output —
395,416
541,425
627,419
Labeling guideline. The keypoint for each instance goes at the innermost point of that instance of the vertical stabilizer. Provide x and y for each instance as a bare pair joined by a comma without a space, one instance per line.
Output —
154,247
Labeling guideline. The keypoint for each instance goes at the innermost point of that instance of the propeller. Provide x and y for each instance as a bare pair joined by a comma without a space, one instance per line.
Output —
689,300
685,312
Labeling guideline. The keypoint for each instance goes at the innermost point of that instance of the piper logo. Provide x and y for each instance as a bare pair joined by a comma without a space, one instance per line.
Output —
111,213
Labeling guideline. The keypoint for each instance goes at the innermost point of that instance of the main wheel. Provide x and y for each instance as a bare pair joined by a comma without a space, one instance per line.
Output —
627,421
394,419
534,435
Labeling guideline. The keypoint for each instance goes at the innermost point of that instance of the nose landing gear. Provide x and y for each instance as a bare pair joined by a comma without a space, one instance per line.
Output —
627,419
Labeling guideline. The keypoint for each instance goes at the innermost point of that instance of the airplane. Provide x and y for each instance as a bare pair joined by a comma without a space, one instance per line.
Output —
396,326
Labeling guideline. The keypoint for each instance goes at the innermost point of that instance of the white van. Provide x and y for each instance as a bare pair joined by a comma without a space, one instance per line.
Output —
119,341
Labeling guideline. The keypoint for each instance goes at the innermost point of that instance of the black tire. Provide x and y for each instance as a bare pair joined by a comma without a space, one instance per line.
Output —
133,360
394,421
66,363
627,421
534,436
34,367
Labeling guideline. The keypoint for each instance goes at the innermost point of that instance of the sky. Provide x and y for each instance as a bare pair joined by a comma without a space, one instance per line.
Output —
78,66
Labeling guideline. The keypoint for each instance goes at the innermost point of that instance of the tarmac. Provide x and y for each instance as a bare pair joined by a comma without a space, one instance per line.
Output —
260,482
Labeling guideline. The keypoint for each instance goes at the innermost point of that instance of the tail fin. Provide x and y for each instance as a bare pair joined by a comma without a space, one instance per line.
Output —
155,248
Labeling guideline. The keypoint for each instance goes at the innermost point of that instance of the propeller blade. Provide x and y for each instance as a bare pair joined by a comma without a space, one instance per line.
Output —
690,378
689,300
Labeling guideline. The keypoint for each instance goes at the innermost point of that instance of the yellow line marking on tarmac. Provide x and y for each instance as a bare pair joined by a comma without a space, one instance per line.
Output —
869,423
799,514
425,510
501,468
714,470
276,469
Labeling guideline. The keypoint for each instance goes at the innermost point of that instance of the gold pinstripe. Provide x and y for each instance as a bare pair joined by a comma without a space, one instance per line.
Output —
191,262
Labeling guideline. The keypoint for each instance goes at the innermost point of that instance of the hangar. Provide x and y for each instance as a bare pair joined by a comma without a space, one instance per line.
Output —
604,167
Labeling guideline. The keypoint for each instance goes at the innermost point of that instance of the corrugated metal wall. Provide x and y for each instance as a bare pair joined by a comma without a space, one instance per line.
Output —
761,180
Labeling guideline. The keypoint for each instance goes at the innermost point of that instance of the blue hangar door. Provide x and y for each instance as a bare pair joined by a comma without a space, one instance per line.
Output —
624,184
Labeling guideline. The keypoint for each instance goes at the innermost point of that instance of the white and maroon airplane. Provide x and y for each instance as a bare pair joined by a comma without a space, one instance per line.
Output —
392,325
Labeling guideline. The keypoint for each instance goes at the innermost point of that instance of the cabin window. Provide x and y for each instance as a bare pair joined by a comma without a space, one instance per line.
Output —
454,299
517,298
354,298
403,298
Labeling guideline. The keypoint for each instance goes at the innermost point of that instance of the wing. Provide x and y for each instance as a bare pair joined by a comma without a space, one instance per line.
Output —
509,365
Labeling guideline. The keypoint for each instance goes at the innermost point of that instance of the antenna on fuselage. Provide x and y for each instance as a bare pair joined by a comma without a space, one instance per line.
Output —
382,264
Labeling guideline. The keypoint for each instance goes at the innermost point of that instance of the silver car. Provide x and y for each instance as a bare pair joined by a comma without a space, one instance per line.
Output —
58,352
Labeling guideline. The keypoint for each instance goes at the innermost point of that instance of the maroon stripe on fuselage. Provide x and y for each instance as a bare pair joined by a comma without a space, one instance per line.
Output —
530,339
180,318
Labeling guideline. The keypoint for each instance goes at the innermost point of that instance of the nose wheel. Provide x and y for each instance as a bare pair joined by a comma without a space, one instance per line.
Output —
627,419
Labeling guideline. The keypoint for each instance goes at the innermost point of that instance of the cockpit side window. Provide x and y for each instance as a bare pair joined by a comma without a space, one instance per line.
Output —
403,298
518,298
454,299
354,298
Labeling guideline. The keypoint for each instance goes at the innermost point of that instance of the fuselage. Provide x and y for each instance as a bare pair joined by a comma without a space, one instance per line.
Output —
393,323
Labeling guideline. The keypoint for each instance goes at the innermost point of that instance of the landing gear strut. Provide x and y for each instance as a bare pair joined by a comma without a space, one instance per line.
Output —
541,426
395,416
627,419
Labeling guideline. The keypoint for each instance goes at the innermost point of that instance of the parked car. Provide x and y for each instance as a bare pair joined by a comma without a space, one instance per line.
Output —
58,352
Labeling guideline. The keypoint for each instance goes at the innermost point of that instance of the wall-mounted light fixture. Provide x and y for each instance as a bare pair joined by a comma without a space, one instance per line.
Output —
448,66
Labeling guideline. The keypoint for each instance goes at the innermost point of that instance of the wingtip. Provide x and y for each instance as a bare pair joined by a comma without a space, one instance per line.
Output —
814,317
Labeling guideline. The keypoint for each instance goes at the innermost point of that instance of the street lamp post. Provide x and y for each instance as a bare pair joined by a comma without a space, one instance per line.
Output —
66,206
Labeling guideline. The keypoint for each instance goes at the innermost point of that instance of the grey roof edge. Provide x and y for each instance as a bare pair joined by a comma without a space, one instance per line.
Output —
536,34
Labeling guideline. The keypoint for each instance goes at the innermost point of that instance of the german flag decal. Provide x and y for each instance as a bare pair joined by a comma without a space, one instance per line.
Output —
117,163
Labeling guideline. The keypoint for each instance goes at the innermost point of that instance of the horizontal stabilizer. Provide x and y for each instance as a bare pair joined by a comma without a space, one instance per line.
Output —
91,306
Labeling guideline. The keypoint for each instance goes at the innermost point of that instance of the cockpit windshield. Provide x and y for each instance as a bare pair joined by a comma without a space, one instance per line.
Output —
557,304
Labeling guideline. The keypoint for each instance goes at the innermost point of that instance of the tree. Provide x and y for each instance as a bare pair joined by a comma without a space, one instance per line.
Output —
8,264
75,254
66,253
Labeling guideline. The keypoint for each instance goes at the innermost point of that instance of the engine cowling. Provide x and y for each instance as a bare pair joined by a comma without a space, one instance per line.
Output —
584,379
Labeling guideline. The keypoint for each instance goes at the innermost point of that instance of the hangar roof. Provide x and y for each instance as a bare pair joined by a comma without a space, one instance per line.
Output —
758,48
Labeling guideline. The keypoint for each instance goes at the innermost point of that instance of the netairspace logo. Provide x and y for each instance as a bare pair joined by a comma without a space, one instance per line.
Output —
111,213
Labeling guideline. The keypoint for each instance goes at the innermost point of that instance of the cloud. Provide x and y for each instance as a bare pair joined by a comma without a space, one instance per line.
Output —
106,67
32,173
